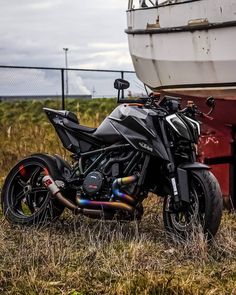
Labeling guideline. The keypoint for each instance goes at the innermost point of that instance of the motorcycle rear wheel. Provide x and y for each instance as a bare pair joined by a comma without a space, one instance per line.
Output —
205,209
24,198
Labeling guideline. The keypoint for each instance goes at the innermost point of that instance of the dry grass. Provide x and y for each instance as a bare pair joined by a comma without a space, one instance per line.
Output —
79,256
24,128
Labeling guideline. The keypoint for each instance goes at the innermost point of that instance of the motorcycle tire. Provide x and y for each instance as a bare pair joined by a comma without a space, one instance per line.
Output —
205,208
24,198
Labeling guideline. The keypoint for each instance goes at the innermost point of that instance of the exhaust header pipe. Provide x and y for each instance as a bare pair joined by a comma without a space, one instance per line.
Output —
93,208
82,203
118,183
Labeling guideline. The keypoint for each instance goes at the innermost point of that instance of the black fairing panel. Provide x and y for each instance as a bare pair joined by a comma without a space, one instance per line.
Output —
107,133
135,125
127,123
74,137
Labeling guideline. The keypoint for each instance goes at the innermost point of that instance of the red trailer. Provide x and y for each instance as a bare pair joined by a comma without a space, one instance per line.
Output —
218,143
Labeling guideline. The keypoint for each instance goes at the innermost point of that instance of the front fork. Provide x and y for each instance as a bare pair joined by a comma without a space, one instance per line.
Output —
180,185
180,181
179,196
178,177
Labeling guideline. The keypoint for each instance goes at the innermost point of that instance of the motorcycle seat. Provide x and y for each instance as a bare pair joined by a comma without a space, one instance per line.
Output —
61,113
70,120
77,127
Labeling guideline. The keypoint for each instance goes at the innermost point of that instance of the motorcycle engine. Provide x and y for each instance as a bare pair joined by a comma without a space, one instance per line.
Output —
97,185
93,183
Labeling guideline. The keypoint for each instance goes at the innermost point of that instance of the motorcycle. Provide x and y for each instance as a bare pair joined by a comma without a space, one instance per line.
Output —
146,145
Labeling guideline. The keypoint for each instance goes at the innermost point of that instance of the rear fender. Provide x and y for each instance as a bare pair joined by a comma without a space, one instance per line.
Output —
63,169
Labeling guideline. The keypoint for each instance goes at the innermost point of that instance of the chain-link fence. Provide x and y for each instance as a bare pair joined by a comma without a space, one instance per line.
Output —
22,83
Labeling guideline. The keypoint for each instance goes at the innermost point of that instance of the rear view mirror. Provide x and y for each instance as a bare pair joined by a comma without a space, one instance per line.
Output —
121,84
210,102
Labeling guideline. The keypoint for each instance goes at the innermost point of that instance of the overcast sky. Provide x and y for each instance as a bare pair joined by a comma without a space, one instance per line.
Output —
34,32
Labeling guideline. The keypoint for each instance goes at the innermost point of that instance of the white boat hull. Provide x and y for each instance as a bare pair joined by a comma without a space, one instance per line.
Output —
187,48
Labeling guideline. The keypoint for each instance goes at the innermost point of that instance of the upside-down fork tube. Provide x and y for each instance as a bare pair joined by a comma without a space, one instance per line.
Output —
118,183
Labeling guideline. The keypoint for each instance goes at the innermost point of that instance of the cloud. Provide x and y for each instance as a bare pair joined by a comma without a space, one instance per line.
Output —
108,46
34,33
28,82
43,5
41,29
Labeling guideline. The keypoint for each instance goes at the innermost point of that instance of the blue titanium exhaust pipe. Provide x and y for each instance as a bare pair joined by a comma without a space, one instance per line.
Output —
118,183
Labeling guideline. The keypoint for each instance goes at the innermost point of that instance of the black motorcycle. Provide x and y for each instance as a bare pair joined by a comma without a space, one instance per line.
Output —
143,146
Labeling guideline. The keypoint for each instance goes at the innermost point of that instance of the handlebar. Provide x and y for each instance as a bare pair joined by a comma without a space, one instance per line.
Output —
191,109
205,116
172,105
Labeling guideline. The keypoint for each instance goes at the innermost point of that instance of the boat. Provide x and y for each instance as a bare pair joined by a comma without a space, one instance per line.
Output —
186,47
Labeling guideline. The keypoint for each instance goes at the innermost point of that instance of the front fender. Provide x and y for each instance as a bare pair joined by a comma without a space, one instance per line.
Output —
194,166
183,178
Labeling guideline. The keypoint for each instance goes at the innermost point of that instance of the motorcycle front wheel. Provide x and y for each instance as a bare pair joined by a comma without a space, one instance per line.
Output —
25,200
204,210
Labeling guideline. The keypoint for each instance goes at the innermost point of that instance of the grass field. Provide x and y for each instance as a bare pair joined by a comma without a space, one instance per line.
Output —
24,128
79,256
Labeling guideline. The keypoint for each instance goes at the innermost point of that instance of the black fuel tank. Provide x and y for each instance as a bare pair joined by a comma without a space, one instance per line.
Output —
133,117
135,124
107,133
136,118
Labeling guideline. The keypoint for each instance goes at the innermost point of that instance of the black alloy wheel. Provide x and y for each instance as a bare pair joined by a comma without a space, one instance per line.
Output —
204,210
25,200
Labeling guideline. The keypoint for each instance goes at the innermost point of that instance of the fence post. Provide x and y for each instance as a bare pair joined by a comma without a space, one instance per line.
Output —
122,91
62,89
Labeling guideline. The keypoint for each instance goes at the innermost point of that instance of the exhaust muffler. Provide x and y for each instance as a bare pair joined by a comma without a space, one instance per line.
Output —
50,184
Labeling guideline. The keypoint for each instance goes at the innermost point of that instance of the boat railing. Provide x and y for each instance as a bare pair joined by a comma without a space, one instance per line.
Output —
137,4
134,4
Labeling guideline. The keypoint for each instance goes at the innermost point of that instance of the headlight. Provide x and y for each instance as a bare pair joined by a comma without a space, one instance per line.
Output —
179,126
196,128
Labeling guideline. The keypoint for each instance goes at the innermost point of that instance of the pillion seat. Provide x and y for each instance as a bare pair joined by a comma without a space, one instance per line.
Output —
69,120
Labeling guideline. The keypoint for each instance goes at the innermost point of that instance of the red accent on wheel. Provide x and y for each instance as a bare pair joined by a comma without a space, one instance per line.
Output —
45,171
22,170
